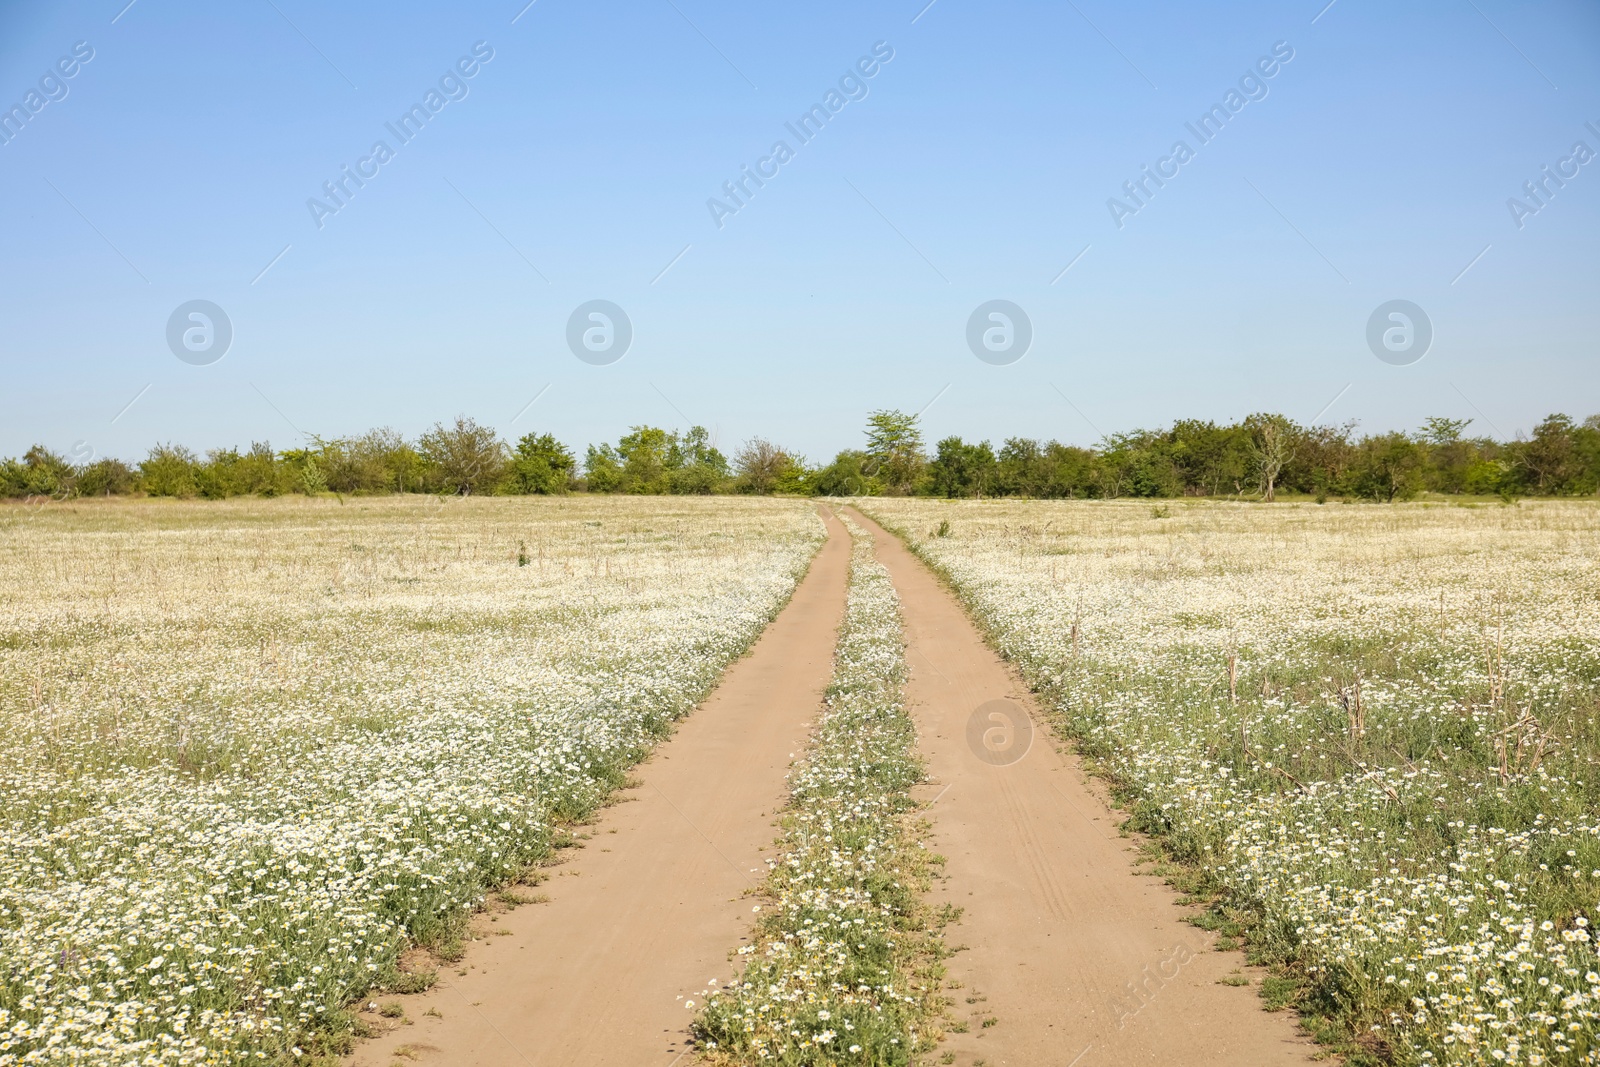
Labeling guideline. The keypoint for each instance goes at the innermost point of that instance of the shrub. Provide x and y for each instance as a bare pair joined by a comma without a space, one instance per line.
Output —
170,470
465,458
540,464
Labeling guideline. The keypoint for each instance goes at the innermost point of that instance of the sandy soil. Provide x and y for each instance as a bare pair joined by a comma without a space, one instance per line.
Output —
1077,959
648,911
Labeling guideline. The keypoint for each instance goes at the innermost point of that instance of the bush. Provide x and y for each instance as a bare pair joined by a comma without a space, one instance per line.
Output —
762,465
465,458
379,461
41,473
540,464
649,460
170,470
848,475
106,477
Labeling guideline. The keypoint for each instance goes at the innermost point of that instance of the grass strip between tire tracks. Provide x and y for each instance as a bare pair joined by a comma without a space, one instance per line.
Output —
845,960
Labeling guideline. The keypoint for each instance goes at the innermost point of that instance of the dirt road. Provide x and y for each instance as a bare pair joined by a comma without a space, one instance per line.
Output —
1072,958
1079,960
641,918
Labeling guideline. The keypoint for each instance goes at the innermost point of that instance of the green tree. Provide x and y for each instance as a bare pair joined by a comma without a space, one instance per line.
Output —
1447,457
1071,471
850,474
1551,457
796,478
894,450
1322,459
1388,467
650,460
694,464
41,473
1141,463
219,476
1019,469
1489,477
261,471
1209,459
1437,430
1272,443
602,469
541,464
763,467
106,477
1027,468
378,461
465,458
960,470
1586,449
645,451
304,470
170,470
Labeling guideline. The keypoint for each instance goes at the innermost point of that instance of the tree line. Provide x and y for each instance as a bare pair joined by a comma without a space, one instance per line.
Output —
1260,457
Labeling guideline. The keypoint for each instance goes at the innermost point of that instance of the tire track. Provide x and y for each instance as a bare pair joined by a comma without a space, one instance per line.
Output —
1075,958
636,921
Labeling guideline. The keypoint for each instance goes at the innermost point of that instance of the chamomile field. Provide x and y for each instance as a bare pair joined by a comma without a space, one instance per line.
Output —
1368,736
263,762
252,751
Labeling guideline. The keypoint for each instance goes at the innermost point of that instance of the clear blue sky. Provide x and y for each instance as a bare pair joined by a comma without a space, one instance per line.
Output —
979,165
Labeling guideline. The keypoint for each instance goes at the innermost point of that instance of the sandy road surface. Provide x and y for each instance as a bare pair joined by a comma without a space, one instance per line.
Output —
642,917
1078,959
